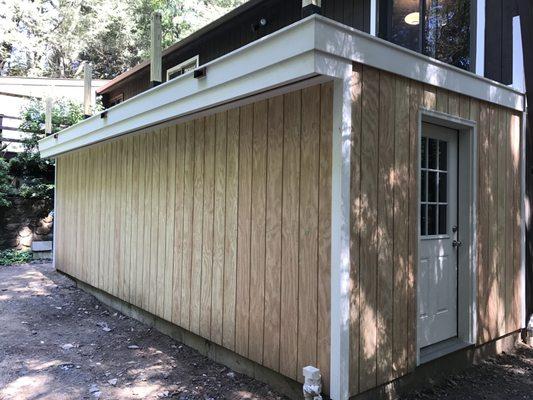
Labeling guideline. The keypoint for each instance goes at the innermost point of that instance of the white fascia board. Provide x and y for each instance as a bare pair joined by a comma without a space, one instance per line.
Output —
262,65
351,44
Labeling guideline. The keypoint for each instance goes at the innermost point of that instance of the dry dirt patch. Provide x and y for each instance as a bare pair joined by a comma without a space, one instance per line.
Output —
57,342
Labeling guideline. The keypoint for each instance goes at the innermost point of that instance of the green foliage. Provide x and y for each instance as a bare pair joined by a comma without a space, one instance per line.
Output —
5,184
53,37
64,114
12,257
27,174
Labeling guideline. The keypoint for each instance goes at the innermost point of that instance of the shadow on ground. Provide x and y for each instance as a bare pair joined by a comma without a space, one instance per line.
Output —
57,342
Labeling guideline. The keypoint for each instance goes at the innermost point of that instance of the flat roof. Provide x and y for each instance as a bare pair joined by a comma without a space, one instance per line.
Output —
319,47
185,41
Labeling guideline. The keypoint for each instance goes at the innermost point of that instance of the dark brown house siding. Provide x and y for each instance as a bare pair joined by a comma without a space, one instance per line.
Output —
499,40
238,32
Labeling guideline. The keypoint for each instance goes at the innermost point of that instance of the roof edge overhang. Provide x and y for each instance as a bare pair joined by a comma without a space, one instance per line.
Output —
182,43
311,47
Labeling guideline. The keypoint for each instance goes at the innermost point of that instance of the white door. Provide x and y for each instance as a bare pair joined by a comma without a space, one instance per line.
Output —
437,268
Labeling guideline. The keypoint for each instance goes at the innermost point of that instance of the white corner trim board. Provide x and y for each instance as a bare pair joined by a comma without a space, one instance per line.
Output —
523,219
479,61
340,236
269,63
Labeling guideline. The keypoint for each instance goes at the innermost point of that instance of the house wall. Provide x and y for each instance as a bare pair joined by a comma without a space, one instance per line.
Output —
384,199
499,40
238,32
220,224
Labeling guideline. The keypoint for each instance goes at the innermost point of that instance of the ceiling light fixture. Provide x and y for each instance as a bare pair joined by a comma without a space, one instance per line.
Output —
412,18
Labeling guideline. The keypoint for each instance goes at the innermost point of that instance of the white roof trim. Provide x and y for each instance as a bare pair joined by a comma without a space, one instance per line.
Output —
346,42
315,45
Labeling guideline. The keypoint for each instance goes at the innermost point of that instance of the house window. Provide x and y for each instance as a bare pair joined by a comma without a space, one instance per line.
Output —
437,28
180,69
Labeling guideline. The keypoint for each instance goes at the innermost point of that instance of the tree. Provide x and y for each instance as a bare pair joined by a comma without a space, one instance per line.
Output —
5,184
31,176
53,37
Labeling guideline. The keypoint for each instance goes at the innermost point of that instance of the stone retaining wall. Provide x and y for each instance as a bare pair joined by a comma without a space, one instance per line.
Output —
25,221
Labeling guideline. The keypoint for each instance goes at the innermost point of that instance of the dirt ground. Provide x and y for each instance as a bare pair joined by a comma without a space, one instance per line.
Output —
508,376
57,342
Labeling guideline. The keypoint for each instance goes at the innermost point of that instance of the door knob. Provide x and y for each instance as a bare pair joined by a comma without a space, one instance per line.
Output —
457,243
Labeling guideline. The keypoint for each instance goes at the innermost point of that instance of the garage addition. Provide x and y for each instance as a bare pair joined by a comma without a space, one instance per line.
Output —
316,197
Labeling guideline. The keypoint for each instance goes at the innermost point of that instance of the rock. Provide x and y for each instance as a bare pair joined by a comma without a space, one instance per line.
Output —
25,232
67,346
133,347
104,326
93,388
25,241
67,366
112,382
42,230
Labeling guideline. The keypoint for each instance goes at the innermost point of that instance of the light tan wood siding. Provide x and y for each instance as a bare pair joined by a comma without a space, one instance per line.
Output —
220,225
384,207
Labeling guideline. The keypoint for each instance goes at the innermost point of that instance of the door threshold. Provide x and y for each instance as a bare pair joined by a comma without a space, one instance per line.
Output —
441,349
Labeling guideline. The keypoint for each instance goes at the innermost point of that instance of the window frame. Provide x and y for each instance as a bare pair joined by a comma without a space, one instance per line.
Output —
195,60
384,22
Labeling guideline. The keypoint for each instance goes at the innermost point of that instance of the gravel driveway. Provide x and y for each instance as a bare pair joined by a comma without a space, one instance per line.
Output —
57,342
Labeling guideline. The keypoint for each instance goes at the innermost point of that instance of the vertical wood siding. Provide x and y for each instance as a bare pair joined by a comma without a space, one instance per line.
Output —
220,225
384,199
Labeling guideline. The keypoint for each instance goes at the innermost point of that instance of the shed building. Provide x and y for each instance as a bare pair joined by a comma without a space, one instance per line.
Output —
320,197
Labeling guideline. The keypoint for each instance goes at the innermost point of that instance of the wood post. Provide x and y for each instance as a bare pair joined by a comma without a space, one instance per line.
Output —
87,89
155,50
48,117
310,7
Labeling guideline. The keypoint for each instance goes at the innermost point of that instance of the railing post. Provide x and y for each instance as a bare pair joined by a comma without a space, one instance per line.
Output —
310,7
155,50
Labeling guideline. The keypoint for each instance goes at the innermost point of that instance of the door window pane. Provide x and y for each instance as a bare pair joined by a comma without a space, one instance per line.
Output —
432,153
443,155
443,226
432,186
423,220
423,186
443,187
423,155
432,219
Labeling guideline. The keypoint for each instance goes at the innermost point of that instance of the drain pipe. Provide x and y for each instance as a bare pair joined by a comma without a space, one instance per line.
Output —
312,384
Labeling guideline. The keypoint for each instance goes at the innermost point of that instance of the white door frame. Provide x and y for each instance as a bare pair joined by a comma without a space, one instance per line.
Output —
467,217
